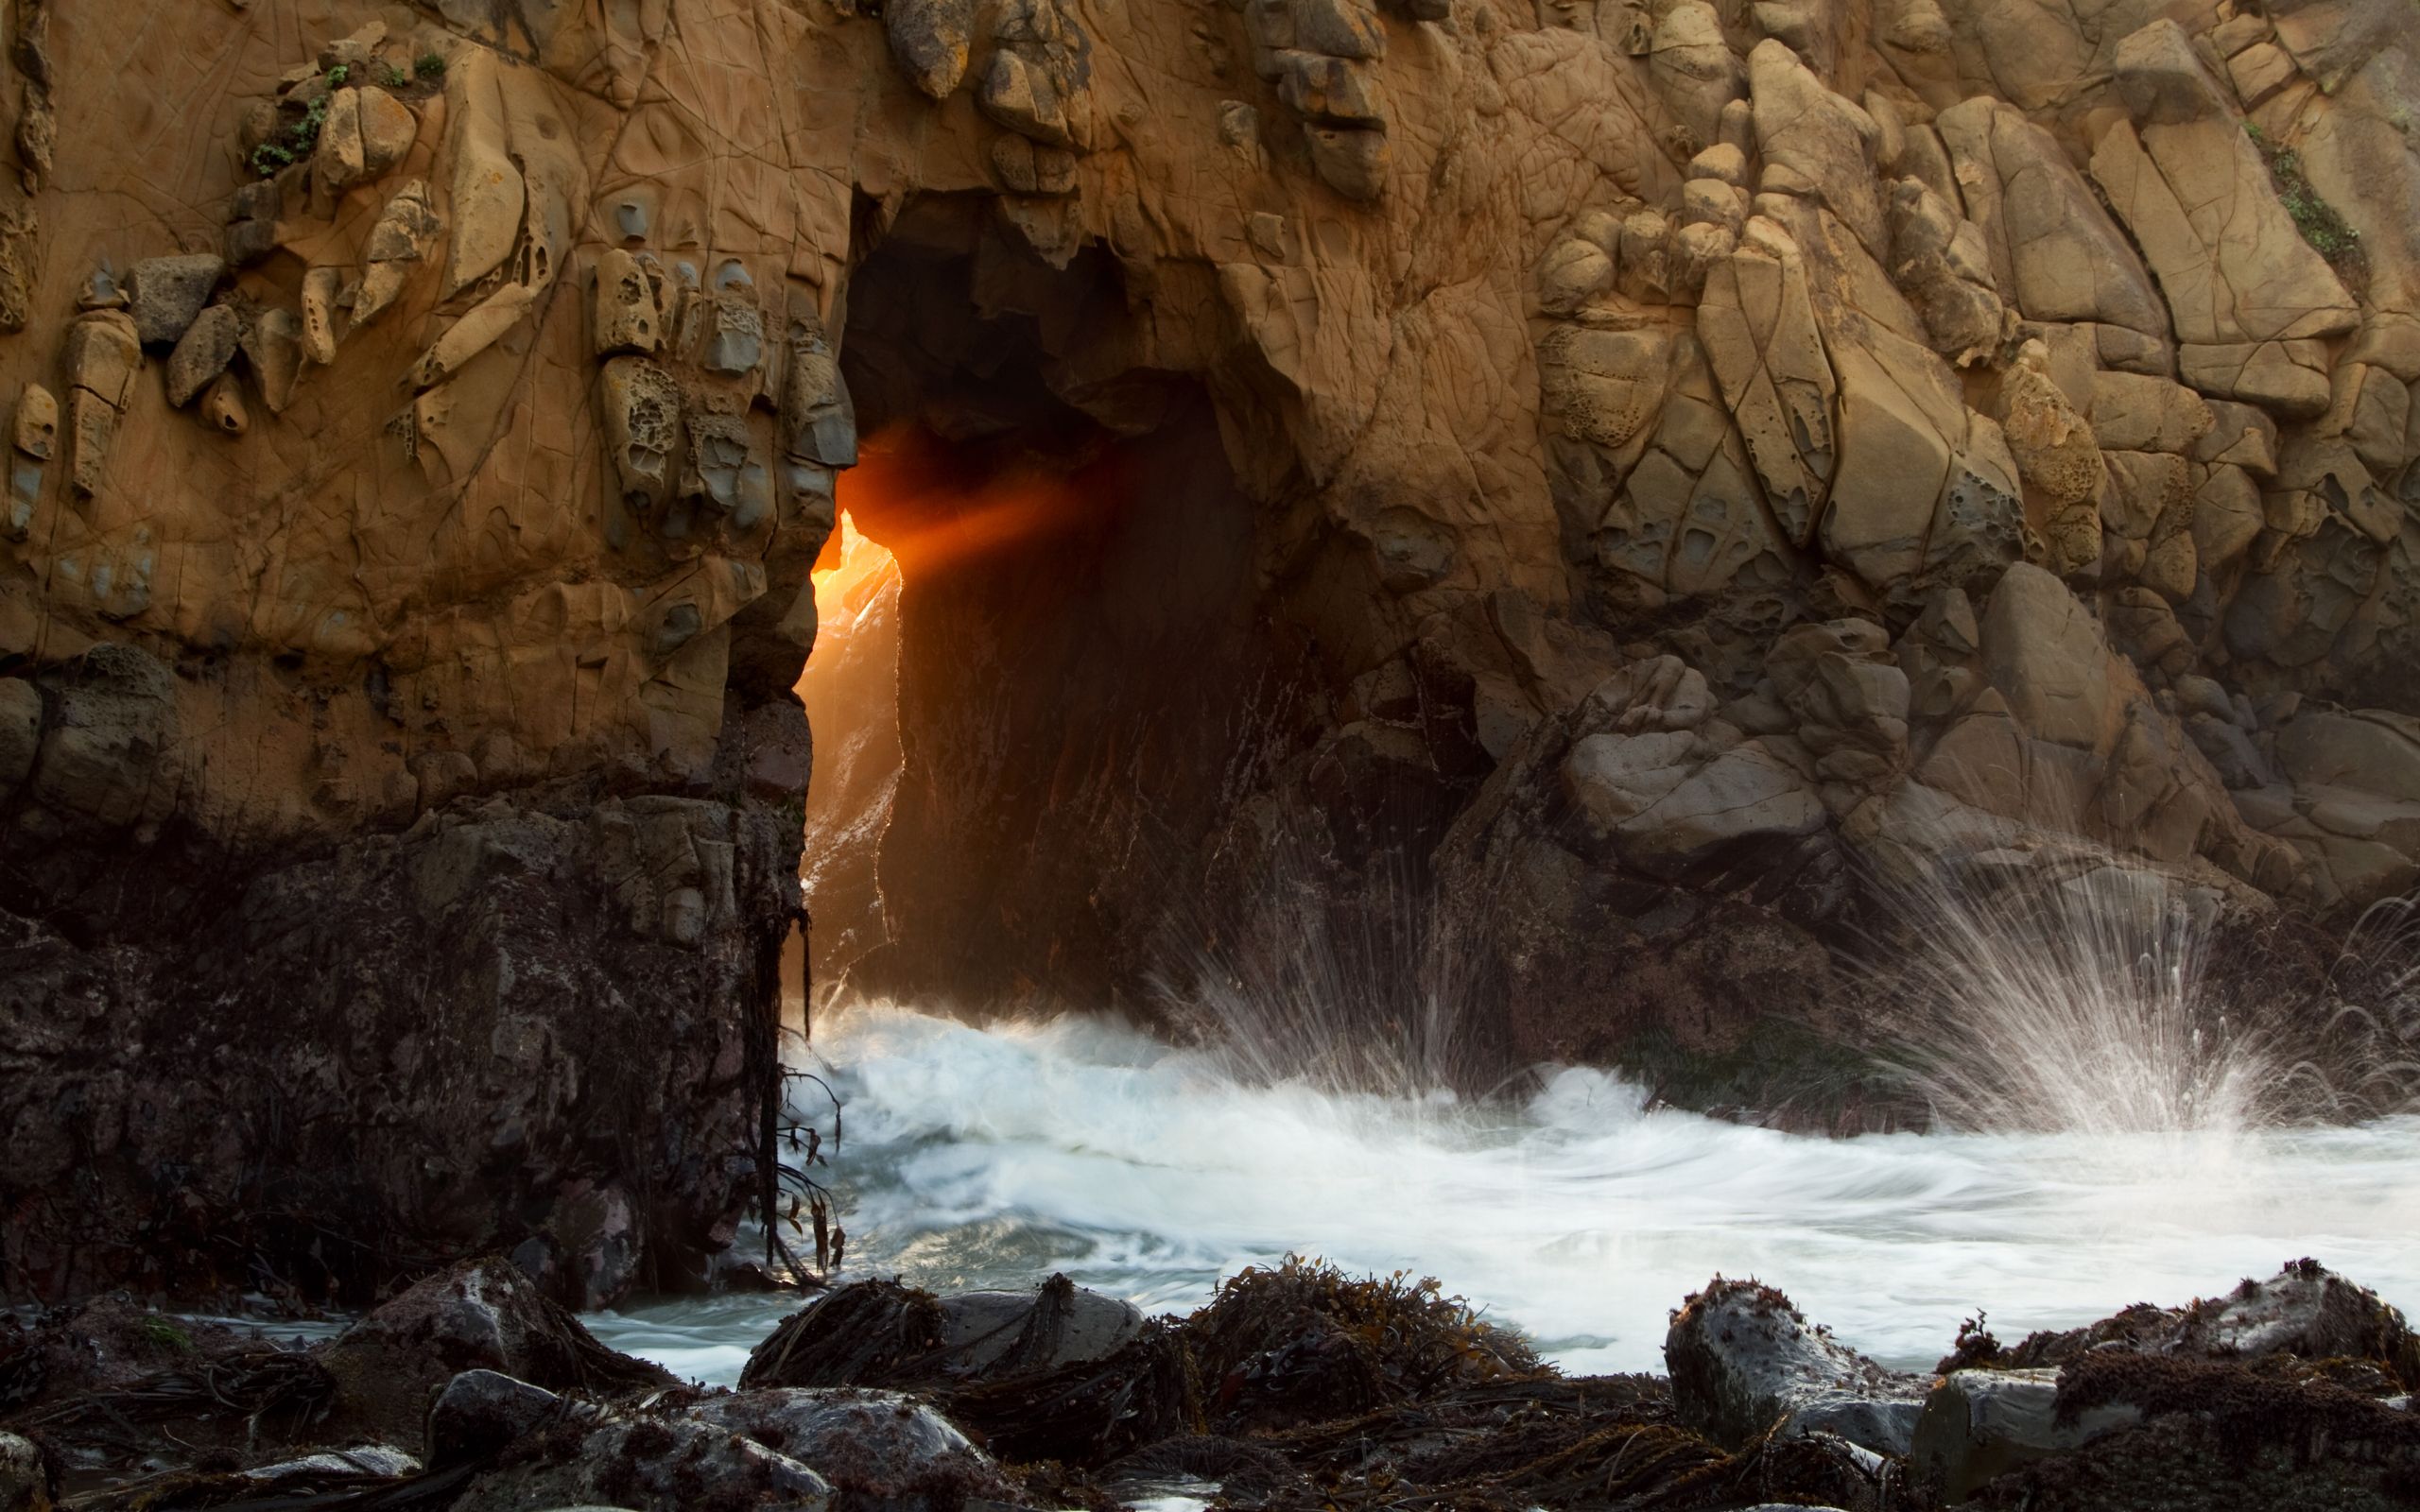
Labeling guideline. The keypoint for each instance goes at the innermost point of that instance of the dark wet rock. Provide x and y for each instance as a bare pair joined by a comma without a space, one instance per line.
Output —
2305,1311
480,1412
1060,1324
480,1315
437,1037
654,1462
1978,1424
882,1333
881,1451
24,1480
332,1469
105,1343
853,1450
2218,1436
1743,1361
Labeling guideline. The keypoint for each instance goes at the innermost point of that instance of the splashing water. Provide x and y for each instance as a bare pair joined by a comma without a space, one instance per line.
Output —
2078,1007
2092,1004
993,1156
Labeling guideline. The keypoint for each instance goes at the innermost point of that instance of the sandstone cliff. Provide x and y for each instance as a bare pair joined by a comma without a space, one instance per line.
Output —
1694,455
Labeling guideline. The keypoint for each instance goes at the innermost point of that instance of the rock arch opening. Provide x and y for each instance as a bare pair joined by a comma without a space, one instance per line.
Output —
1027,721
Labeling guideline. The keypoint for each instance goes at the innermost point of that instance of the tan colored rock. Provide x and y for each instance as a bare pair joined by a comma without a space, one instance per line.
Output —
223,409
388,129
337,162
2132,413
2045,655
272,346
625,306
1815,144
1694,70
403,238
2056,450
34,430
322,289
2054,250
486,196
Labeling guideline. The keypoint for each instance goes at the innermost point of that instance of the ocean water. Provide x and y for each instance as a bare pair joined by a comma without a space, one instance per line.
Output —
994,1154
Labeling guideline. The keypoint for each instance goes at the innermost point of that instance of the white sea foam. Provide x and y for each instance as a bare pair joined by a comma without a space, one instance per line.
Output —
993,1156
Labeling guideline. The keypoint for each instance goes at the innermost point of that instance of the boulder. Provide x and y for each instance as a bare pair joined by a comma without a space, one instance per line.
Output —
478,1315
480,1412
1061,1324
877,1449
652,1462
1978,1424
1744,1361
24,1480
165,293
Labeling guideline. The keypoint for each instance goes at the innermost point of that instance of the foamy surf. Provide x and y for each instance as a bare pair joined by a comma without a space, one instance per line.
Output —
993,1156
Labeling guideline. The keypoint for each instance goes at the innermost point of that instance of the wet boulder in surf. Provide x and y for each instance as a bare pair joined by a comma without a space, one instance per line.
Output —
1742,1360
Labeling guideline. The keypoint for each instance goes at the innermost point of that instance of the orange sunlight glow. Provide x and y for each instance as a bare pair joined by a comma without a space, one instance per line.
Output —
915,496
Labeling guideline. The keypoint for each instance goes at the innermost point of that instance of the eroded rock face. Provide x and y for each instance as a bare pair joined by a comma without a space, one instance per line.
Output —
466,423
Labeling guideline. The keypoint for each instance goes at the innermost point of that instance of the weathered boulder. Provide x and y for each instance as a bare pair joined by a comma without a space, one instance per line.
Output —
480,1316
1744,1361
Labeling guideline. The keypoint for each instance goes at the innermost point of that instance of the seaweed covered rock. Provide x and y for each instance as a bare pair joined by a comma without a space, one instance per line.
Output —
882,1333
479,1314
1304,1341
1744,1361
2216,1436
2305,1312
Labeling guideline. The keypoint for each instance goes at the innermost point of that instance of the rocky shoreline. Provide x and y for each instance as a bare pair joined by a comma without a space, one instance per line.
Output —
1296,1387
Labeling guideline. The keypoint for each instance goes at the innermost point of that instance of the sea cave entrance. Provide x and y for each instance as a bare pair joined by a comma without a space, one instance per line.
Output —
1037,658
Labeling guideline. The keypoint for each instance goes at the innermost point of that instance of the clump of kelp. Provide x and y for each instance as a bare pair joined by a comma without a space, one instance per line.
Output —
1301,1387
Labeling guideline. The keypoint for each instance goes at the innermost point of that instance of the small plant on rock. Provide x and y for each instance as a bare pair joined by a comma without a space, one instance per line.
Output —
2327,231
429,65
297,141
393,77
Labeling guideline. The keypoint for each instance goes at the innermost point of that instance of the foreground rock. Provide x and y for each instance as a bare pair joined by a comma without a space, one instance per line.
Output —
1745,1362
881,1334
2300,1377
481,1316
1299,1388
